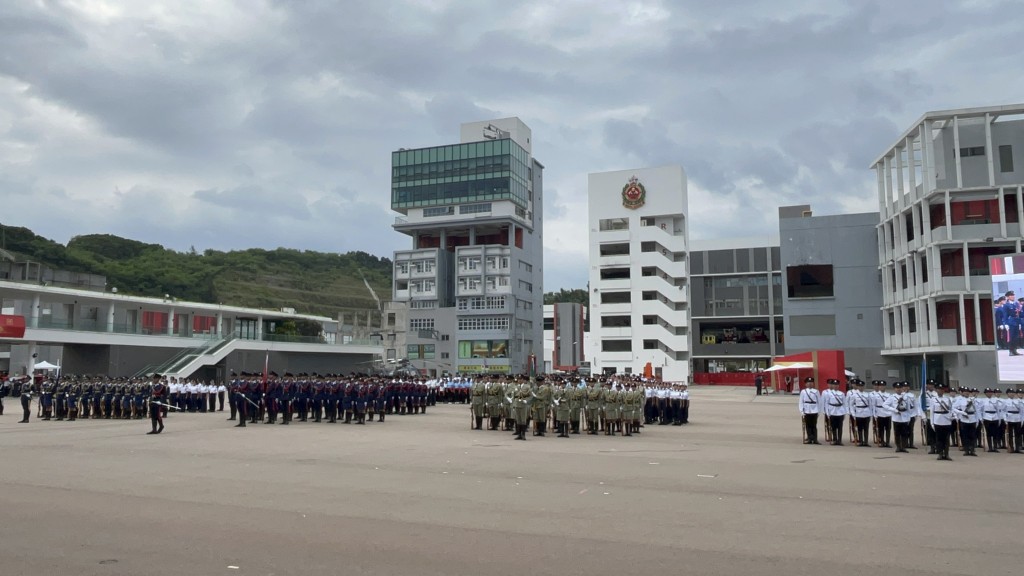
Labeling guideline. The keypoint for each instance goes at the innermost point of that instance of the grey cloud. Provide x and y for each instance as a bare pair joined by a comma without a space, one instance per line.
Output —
277,131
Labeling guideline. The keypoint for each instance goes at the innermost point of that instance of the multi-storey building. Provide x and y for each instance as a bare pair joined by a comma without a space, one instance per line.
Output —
949,196
566,337
473,277
736,305
832,295
638,271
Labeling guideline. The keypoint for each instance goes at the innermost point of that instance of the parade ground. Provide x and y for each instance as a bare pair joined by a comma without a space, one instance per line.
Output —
733,492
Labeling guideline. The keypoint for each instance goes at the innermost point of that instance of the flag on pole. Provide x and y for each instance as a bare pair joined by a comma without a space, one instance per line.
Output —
266,370
924,381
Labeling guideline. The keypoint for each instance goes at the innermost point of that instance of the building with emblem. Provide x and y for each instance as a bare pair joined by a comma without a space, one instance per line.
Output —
639,285
472,278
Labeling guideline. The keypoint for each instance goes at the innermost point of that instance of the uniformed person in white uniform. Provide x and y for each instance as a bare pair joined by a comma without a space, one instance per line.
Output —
941,417
810,407
835,410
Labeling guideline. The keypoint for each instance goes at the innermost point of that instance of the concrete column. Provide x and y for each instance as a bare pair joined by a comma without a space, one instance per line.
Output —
170,322
933,322
887,168
883,207
967,267
110,317
1002,211
901,202
472,235
963,320
949,215
219,329
259,327
1020,206
989,155
956,152
911,167
30,361
977,318
926,223
34,312
886,338
927,156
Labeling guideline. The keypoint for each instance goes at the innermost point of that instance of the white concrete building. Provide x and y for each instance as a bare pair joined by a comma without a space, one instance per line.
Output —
639,285
949,196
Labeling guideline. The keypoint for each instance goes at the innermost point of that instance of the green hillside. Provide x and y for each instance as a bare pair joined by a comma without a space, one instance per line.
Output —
310,282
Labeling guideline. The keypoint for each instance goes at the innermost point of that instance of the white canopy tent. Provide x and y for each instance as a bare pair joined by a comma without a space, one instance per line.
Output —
44,365
789,366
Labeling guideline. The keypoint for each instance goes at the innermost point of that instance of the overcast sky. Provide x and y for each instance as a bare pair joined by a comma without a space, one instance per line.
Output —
235,124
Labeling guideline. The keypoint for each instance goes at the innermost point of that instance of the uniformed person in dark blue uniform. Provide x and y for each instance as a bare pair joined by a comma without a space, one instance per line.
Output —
157,396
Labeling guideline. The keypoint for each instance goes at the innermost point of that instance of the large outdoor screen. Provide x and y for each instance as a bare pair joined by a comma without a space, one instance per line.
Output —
1007,291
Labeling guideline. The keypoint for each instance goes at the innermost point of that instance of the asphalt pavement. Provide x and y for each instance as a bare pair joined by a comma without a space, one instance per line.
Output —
733,492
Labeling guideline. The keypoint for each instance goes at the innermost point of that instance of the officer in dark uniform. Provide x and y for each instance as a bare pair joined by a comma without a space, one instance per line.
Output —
1011,310
240,402
157,396
24,388
255,397
5,390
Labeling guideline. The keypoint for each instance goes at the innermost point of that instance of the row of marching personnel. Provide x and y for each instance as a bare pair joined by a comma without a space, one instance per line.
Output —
948,418
319,398
609,406
83,397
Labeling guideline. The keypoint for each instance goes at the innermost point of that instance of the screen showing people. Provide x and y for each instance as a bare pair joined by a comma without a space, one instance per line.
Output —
1007,283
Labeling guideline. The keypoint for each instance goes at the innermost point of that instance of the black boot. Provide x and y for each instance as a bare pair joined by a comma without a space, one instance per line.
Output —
520,432
479,422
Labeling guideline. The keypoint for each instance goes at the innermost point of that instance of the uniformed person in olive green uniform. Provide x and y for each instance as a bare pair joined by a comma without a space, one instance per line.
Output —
521,398
575,394
509,388
593,406
560,398
478,402
540,406
495,392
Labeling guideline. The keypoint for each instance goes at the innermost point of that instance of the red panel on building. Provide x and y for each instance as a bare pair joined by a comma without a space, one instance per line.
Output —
12,326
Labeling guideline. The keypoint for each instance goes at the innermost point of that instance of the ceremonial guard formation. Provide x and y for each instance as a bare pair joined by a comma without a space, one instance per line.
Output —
608,406
330,398
961,418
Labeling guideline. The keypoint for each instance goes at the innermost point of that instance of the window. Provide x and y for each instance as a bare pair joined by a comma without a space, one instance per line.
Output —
650,344
523,265
428,351
469,284
549,323
475,208
483,349
621,249
484,323
616,321
972,151
616,345
912,319
412,352
444,355
615,274
481,303
402,267
523,285
391,318
1006,158
810,281
438,211
421,324
423,304
609,224
615,298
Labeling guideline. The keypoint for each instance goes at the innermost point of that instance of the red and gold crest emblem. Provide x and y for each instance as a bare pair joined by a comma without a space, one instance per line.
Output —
633,194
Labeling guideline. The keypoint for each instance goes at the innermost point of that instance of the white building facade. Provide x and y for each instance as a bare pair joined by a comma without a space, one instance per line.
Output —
472,278
949,196
639,279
